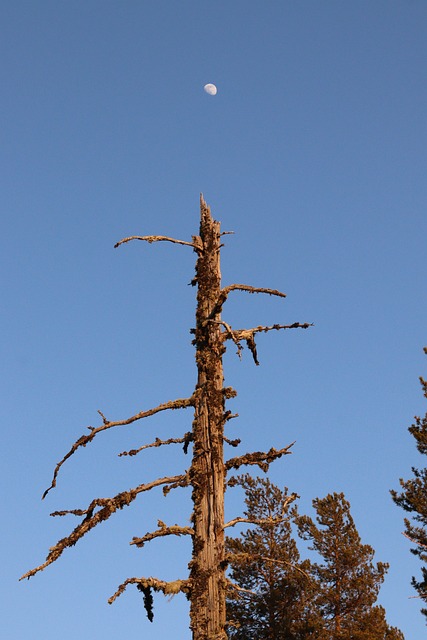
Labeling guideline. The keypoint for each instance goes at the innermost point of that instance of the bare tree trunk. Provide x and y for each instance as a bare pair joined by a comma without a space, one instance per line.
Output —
207,612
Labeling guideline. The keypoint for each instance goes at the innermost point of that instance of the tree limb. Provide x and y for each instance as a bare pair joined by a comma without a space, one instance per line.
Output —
248,335
168,588
233,585
259,458
145,585
196,244
163,530
158,443
262,521
419,544
241,287
108,506
180,403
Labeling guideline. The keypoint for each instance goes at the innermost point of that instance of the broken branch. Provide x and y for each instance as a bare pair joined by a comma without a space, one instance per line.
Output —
259,458
163,530
248,335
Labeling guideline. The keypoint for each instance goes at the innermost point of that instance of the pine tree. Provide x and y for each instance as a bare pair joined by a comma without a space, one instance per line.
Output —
348,582
273,602
413,499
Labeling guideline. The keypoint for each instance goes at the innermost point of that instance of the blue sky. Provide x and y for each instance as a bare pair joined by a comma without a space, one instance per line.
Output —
314,153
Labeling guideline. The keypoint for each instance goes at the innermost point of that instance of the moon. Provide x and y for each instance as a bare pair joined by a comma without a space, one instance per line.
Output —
210,89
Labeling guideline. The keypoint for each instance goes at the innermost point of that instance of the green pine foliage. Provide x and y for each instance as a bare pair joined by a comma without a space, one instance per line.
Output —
347,579
283,597
413,499
276,590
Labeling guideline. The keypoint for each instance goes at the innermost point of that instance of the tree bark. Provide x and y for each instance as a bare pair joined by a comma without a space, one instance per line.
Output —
207,578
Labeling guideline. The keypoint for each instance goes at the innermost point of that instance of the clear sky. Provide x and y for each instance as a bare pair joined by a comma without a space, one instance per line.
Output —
314,153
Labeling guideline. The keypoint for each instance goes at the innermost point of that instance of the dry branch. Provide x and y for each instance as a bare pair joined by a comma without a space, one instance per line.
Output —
163,530
241,287
263,521
248,335
145,585
168,588
250,557
158,443
232,585
259,458
196,245
181,403
108,506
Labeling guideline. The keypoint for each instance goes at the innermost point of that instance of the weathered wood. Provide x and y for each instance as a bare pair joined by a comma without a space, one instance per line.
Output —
207,567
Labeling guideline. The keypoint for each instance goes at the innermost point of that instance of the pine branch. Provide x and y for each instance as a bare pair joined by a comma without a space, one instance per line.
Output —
180,403
414,541
259,458
196,244
158,443
108,506
163,530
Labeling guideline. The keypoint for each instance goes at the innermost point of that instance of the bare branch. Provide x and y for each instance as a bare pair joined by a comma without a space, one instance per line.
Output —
157,443
241,287
233,585
182,481
168,588
259,458
248,335
243,334
108,506
196,245
264,521
250,557
163,530
236,335
181,403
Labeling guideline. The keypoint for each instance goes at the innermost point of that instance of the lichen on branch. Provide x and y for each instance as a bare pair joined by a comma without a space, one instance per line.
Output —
259,458
107,506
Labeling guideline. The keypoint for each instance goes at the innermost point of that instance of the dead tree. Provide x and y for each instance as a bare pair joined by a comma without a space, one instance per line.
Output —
207,582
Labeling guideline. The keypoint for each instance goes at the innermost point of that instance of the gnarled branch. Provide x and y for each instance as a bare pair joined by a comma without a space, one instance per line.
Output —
108,506
164,530
248,335
259,458
168,588
180,403
196,244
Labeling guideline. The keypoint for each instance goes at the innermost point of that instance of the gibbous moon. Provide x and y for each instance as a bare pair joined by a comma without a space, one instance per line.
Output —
210,89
